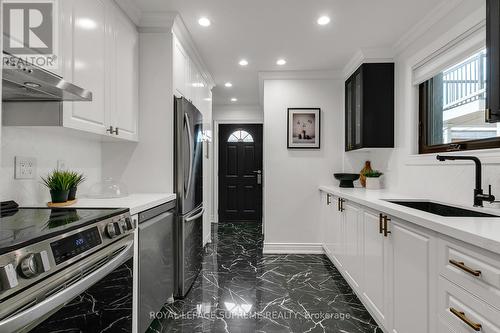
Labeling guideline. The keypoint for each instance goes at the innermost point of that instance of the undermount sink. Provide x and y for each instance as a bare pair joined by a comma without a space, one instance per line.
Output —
440,209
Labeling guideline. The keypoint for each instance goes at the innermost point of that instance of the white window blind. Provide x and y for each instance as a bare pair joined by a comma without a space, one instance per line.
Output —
455,51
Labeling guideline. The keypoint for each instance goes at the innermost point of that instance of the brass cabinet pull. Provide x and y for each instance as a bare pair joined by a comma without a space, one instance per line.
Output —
475,326
342,205
328,199
462,266
338,205
380,221
386,230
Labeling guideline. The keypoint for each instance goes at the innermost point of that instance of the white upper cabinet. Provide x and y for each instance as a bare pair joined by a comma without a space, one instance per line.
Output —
181,69
84,44
189,81
100,51
125,77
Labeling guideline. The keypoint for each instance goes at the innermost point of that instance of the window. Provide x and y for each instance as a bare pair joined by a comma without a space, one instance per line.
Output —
240,136
452,109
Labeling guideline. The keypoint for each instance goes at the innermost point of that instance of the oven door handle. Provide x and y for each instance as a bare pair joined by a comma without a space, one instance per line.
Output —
28,316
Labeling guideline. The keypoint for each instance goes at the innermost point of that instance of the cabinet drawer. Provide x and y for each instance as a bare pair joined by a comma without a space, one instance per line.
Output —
476,270
463,312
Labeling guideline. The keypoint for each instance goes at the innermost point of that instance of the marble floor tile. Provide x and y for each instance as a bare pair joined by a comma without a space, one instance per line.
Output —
240,290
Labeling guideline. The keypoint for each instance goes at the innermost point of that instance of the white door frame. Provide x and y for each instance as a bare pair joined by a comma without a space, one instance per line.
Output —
216,162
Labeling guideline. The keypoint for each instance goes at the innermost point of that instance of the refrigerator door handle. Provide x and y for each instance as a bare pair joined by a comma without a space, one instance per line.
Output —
188,125
194,217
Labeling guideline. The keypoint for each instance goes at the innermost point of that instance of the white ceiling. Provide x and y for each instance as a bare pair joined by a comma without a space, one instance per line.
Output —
263,30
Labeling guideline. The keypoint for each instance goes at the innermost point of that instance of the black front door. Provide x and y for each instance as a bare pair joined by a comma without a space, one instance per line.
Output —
240,173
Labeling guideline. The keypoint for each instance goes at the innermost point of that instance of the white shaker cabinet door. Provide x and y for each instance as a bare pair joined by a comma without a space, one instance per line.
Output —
375,266
124,109
181,68
351,247
412,273
85,50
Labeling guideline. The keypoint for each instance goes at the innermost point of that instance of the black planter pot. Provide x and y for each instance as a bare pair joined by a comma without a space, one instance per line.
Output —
72,193
59,196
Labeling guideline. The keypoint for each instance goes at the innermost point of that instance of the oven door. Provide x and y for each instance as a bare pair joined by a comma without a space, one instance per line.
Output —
90,295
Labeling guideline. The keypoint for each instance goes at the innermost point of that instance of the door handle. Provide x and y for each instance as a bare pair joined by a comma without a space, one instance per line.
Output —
386,228
328,199
380,223
259,176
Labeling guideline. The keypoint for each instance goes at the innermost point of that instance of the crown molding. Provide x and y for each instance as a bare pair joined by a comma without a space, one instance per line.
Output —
367,56
130,8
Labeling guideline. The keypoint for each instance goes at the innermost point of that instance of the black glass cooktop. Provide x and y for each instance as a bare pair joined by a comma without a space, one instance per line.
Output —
26,226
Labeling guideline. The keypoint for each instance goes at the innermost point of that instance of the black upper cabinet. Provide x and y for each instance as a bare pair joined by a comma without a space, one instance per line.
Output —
369,107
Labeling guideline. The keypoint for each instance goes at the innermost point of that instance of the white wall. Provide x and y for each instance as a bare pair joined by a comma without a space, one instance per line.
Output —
419,176
81,152
147,166
292,177
238,113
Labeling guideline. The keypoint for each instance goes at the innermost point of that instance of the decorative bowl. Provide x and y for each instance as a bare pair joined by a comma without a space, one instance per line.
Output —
346,179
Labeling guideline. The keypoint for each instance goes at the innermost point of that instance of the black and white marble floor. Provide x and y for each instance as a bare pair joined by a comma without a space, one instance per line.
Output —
240,290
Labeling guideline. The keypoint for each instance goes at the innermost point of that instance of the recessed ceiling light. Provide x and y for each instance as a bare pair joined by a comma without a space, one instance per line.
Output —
234,99
204,22
323,20
281,62
243,62
228,84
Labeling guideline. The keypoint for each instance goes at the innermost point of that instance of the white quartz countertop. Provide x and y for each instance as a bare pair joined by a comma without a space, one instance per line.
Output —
136,202
480,231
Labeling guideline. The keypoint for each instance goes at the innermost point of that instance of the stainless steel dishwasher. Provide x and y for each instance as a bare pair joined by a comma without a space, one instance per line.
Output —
156,261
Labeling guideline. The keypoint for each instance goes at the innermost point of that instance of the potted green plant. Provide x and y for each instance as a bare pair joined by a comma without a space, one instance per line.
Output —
75,180
373,181
58,182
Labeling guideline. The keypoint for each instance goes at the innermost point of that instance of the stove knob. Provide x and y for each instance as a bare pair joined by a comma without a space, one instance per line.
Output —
35,264
8,277
110,230
123,226
128,221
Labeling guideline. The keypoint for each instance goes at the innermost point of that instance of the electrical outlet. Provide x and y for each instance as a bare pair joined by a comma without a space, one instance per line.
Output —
25,167
61,165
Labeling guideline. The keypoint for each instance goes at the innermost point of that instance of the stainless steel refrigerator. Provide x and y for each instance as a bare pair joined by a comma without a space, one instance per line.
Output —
188,184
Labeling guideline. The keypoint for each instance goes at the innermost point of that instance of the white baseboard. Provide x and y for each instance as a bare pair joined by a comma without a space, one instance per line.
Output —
293,248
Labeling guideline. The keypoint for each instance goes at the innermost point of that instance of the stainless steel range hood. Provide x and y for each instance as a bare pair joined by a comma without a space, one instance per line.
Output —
22,81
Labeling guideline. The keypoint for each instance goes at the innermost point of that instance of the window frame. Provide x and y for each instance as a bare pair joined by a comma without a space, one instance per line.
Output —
425,148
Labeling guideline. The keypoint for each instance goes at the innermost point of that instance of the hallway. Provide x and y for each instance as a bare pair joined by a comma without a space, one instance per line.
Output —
242,290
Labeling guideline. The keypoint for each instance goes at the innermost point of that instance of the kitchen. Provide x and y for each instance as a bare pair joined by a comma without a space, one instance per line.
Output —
203,140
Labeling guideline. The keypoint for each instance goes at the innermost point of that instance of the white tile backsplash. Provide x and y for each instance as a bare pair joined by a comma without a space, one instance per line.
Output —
80,152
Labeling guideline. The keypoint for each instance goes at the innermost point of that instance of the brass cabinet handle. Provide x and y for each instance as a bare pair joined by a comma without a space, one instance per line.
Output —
328,199
338,205
342,205
386,230
475,326
463,267
380,221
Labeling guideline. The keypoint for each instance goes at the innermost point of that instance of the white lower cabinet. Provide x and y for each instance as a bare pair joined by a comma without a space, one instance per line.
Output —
394,273
462,312
375,259
353,238
412,274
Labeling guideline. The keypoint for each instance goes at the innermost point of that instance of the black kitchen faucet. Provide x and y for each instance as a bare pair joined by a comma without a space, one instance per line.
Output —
479,196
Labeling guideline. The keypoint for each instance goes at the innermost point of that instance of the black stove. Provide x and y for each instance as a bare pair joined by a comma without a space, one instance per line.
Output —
20,227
